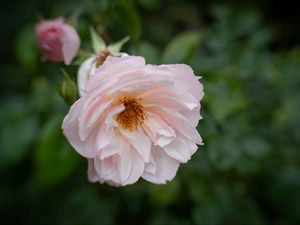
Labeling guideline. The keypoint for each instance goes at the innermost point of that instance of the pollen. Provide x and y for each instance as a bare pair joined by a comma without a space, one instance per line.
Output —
133,114
102,57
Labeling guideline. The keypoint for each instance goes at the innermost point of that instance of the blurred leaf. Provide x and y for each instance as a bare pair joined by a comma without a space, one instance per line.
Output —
44,98
85,206
163,217
25,48
182,47
261,38
246,22
148,51
116,47
129,19
206,215
224,152
223,99
149,4
165,194
97,42
73,19
55,160
18,130
283,190
82,56
255,147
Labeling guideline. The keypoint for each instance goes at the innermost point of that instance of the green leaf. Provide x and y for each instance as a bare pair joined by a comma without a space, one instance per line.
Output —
165,194
182,48
149,4
129,19
73,19
18,130
224,152
223,99
55,160
82,56
255,147
116,47
148,51
97,42
25,48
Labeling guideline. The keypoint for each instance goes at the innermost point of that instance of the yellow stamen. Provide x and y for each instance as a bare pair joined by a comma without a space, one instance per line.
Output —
132,116
102,57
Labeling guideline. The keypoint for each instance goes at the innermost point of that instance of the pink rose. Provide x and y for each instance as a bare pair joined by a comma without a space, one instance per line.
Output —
136,120
57,40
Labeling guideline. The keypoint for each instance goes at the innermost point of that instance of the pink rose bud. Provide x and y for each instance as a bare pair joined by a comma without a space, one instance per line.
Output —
57,40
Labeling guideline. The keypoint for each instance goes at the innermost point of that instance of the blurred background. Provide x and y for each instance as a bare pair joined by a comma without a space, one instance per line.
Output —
248,55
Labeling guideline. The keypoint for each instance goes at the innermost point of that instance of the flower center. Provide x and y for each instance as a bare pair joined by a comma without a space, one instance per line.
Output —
102,57
132,116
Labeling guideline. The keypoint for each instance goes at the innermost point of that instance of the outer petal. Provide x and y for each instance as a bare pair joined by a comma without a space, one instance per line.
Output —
179,150
125,161
112,66
92,173
70,43
166,167
122,169
87,69
180,123
85,148
73,113
137,168
70,128
186,79
106,169
91,115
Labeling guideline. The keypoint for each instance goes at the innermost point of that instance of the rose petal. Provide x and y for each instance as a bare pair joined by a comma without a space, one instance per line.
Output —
112,66
166,167
70,43
139,141
158,130
86,69
186,79
179,150
92,174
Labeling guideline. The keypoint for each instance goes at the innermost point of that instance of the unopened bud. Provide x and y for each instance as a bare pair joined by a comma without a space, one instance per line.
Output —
67,89
57,40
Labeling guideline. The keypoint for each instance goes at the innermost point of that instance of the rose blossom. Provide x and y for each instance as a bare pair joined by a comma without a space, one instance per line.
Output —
136,120
57,40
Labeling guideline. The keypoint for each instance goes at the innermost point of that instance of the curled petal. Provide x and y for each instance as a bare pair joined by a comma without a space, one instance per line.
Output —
158,130
166,167
179,150
114,66
86,69
186,79
139,141
92,174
